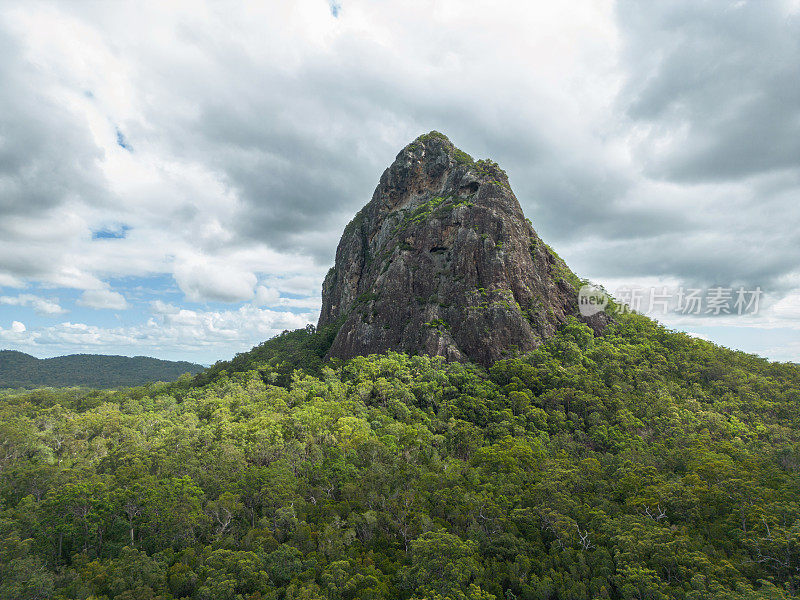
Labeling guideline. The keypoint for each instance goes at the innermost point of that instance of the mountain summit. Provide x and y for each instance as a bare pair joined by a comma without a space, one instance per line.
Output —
442,261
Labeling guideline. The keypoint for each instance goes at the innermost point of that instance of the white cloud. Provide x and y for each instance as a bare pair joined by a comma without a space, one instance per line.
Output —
266,296
7,280
209,175
170,331
42,306
313,303
246,323
270,296
297,285
103,299
788,307
17,333
203,278
258,132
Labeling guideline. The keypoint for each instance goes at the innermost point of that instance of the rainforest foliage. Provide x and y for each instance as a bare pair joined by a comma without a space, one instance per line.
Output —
640,464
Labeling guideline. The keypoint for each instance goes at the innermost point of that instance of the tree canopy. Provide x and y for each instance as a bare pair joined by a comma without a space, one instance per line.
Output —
639,464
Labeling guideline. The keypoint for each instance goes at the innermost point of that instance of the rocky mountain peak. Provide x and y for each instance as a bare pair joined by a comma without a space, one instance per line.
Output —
442,261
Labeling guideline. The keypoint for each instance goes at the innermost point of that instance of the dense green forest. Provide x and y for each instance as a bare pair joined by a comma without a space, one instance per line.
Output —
20,370
640,464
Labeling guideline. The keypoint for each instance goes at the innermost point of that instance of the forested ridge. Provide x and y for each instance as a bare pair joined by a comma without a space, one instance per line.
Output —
20,370
639,464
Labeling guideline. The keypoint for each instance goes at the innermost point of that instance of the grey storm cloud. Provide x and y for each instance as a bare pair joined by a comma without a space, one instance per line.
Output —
718,83
294,157
707,106
710,96
46,156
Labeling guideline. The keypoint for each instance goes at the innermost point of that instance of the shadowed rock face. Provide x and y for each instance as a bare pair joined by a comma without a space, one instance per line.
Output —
442,261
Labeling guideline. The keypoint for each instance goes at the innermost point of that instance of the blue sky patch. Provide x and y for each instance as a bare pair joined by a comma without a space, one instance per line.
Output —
122,141
111,233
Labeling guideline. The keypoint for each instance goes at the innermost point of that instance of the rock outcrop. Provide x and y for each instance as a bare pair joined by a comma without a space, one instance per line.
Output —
442,261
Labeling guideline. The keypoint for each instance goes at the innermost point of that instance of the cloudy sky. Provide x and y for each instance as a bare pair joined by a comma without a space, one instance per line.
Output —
174,177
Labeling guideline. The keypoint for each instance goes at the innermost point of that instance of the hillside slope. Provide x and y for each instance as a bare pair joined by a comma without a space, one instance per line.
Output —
19,370
642,463
514,451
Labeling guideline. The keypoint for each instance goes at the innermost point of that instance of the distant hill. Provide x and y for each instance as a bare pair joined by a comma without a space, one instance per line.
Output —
18,369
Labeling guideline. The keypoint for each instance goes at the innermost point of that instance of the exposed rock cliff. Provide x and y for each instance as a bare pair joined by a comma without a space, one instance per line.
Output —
442,261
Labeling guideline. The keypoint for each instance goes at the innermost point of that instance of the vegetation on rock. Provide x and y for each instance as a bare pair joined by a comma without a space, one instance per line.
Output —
442,225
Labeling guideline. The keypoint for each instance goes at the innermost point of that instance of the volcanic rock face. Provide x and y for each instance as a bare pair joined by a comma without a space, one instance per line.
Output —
442,261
